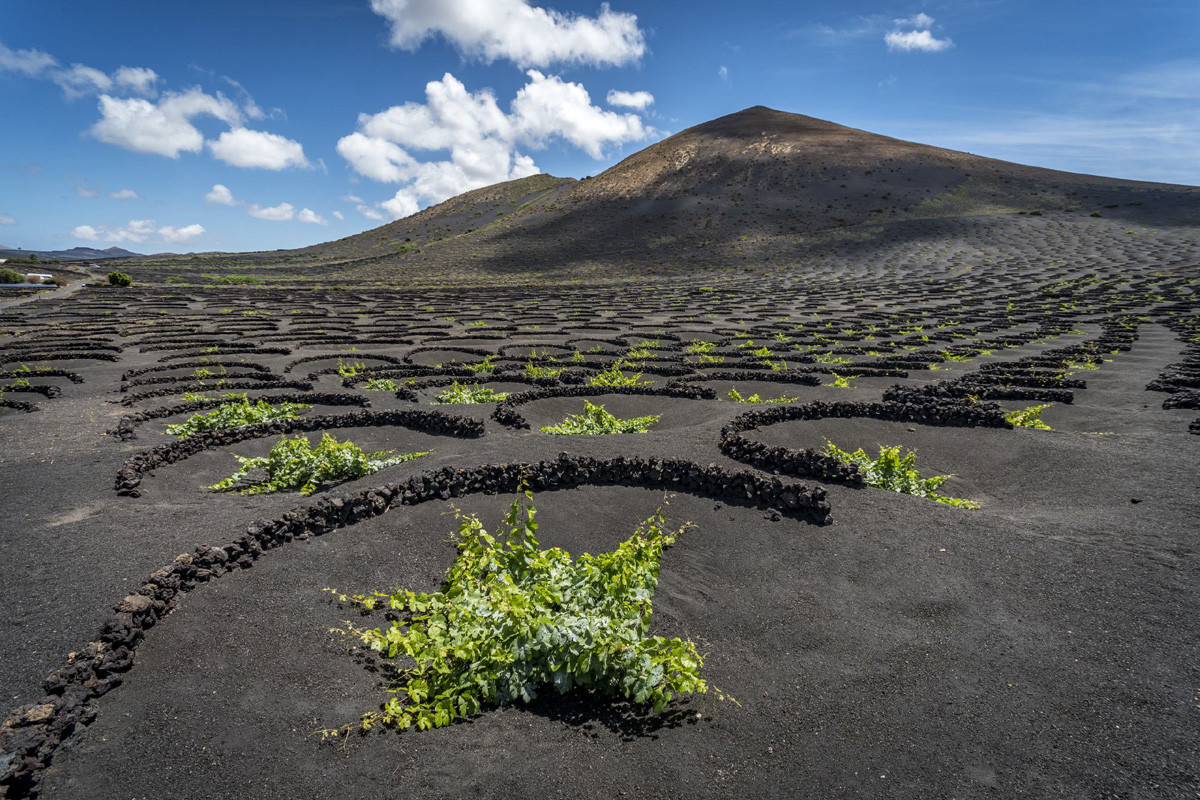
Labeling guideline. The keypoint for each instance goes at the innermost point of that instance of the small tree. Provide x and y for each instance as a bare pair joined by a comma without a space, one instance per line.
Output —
10,276
119,279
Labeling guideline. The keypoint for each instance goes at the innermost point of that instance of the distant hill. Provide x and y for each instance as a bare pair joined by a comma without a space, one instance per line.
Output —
752,188
74,254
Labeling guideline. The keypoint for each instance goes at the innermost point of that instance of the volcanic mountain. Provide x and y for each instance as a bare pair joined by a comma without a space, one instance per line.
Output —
759,186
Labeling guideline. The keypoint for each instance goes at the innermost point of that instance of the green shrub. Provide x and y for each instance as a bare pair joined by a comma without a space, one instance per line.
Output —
119,279
534,371
236,415
295,464
613,376
487,365
462,394
595,421
512,620
350,370
381,385
1029,417
10,276
897,474
736,397
706,358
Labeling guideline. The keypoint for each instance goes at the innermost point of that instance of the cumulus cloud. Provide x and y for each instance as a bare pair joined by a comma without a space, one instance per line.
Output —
220,195
140,80
124,194
404,204
547,107
371,213
138,231
376,158
311,217
31,63
6,219
638,100
919,39
482,141
280,213
516,31
245,148
80,81
162,128
180,235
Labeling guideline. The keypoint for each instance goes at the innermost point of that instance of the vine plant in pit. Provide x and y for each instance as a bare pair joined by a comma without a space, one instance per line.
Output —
236,415
897,473
613,376
737,397
1029,417
462,394
513,620
596,421
296,464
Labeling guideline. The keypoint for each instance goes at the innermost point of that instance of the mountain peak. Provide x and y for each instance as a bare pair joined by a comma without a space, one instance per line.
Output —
758,121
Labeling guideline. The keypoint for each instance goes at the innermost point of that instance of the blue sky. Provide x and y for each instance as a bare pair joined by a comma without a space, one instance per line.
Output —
184,126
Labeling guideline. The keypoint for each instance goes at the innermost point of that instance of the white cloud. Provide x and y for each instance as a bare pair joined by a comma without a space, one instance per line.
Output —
549,106
402,205
81,80
164,128
124,194
921,20
336,215
220,195
919,39
908,41
83,191
137,231
32,63
279,213
481,141
376,158
516,31
723,73
6,219
370,213
311,217
638,100
139,80
245,148
180,235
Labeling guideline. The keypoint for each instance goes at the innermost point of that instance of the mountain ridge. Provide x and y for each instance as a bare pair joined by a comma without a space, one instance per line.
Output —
758,185
73,254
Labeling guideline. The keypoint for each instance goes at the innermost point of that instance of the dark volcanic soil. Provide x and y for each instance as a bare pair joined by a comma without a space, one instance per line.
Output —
1044,645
